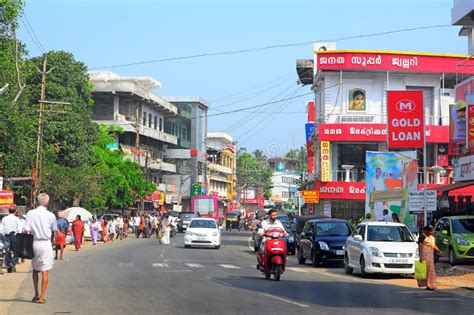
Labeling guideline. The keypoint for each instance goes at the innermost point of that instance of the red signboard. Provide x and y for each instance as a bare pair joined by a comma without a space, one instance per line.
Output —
393,61
311,112
470,126
405,119
194,152
6,199
341,190
374,133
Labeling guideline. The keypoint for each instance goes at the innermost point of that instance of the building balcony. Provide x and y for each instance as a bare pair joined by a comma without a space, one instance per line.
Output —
213,167
129,126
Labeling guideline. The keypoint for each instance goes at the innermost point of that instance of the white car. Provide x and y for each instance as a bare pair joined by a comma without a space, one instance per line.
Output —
381,247
203,232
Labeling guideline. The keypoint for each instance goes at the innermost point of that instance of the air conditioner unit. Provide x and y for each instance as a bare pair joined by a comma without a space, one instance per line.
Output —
324,46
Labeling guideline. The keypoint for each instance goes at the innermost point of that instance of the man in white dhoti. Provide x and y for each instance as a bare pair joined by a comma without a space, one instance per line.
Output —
41,223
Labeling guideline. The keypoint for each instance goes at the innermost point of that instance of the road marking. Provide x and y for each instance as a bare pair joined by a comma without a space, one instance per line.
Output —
219,281
160,265
184,270
126,265
297,269
195,265
250,246
229,266
284,300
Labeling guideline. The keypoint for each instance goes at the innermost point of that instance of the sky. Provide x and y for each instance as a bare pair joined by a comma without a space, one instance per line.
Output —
104,33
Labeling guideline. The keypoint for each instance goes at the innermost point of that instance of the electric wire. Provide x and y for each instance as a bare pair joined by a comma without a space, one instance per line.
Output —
258,49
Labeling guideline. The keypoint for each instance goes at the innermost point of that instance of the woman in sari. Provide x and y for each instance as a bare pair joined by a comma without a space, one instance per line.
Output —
94,227
105,230
78,231
427,248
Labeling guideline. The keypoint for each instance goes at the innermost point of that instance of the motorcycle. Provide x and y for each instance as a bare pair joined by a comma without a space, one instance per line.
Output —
272,259
247,225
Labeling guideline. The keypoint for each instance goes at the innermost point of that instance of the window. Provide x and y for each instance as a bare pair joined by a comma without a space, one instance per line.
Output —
161,124
308,227
203,224
362,231
155,122
149,120
463,226
387,233
439,226
333,229
144,118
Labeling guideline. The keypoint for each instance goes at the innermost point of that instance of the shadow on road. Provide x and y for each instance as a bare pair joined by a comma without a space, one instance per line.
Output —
337,295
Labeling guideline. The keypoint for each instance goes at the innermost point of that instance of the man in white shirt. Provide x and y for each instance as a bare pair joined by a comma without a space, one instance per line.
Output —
386,217
11,226
136,224
270,223
119,225
42,224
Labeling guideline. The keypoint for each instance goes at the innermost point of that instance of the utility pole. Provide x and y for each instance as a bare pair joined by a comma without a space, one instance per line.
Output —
39,144
38,168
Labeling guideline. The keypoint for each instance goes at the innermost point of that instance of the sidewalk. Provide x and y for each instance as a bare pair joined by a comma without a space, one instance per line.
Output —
11,282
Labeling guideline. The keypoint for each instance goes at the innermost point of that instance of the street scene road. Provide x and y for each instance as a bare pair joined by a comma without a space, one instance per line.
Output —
142,276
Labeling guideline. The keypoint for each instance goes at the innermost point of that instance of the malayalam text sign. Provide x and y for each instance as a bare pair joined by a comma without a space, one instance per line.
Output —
310,196
416,201
325,161
405,119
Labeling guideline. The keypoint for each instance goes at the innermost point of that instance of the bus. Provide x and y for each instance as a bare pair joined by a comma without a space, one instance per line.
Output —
206,207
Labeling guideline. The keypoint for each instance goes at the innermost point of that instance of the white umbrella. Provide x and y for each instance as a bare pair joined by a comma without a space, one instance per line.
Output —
71,213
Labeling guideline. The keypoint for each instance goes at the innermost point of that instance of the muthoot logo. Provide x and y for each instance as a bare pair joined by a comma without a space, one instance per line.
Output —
405,106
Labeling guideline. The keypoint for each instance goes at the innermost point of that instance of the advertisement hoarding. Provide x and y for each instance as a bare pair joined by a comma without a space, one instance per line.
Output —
310,147
384,172
6,199
463,169
405,119
341,190
325,161
470,126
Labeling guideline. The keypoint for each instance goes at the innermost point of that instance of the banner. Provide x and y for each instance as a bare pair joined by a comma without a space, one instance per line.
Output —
310,148
6,199
457,122
405,119
325,161
470,126
311,112
385,172
341,190
464,169
410,175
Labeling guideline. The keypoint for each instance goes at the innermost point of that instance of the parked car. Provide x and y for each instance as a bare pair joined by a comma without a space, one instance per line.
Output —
203,232
290,239
323,240
381,247
184,220
455,238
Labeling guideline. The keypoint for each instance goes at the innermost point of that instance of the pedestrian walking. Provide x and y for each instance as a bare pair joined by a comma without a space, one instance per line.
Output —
136,224
166,228
119,227
61,233
105,230
141,226
11,226
427,248
94,228
154,226
112,230
41,223
126,225
78,232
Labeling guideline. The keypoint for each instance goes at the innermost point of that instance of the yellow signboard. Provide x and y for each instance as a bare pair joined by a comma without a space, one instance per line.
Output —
310,196
325,161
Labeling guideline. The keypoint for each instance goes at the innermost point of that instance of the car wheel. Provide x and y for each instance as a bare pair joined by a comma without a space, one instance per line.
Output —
217,247
348,270
362,267
187,246
452,257
301,259
315,262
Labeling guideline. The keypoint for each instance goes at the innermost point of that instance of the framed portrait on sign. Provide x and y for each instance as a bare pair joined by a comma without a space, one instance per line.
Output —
357,100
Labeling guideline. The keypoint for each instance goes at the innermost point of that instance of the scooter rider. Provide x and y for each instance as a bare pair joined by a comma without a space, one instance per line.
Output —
271,222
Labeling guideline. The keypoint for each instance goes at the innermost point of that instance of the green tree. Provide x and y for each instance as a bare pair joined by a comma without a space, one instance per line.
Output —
253,173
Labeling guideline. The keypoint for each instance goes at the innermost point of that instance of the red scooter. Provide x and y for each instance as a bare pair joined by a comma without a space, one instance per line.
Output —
273,259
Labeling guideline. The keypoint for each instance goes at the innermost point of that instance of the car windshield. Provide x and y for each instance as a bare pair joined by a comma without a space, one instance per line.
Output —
186,215
389,234
203,224
333,229
463,226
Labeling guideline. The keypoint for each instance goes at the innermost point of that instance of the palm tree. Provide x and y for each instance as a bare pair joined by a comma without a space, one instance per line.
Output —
259,155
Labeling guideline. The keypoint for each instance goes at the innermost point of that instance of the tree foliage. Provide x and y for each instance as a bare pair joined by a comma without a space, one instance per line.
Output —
253,172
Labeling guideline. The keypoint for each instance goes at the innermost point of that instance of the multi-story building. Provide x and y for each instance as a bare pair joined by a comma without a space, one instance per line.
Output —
351,117
285,179
221,166
189,127
129,102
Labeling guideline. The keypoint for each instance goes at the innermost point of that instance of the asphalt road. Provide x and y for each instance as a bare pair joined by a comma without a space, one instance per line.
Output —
144,277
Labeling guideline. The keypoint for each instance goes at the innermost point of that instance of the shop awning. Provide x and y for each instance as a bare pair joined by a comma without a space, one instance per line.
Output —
453,186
